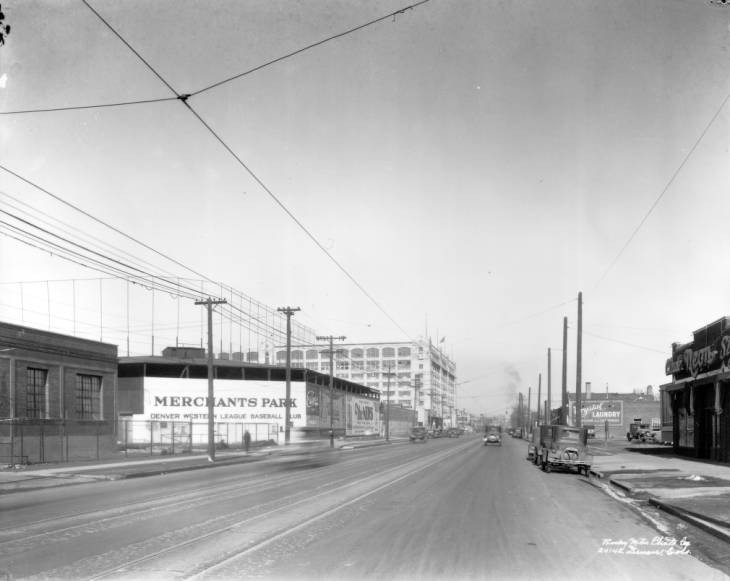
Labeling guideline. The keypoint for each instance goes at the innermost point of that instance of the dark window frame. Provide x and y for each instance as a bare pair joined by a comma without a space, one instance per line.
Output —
35,392
88,396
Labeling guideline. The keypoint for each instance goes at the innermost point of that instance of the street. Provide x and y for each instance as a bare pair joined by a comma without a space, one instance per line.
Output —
448,509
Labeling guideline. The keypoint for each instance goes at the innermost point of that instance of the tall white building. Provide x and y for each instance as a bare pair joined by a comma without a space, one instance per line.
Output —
416,375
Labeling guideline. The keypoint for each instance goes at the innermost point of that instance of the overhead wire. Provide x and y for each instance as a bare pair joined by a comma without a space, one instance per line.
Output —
82,107
102,222
664,191
184,99
117,266
308,47
216,84
73,231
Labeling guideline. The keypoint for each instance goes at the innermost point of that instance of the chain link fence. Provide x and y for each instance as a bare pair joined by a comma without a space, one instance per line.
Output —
153,437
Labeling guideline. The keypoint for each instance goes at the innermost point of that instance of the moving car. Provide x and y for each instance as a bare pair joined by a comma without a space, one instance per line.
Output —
418,434
493,435
307,448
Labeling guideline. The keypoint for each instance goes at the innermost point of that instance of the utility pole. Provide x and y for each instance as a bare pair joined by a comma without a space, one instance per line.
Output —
288,311
539,390
578,364
529,404
331,339
549,410
211,396
564,405
387,405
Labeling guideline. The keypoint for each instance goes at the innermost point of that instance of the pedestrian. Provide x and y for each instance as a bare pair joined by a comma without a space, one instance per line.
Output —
246,441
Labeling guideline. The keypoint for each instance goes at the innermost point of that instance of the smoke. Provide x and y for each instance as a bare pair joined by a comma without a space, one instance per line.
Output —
513,378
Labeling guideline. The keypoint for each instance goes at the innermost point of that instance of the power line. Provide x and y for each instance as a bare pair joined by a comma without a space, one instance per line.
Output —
308,47
539,314
664,191
154,280
35,212
82,107
184,100
102,222
209,87
624,343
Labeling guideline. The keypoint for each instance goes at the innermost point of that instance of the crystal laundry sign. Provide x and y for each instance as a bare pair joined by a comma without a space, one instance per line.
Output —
597,412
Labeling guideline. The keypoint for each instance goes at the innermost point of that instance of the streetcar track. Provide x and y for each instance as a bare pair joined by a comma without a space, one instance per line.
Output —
123,568
23,535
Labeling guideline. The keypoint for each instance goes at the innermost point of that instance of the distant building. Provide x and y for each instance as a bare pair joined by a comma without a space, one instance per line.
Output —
416,375
616,411
57,396
163,400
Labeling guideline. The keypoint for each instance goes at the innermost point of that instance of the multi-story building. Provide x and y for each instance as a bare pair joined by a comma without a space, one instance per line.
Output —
413,374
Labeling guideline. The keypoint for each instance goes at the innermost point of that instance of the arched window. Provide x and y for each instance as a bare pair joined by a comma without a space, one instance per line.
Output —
312,354
356,354
373,352
388,352
297,354
404,351
281,355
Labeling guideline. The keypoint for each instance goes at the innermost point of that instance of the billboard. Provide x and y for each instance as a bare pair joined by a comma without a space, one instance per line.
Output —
362,416
598,412
236,401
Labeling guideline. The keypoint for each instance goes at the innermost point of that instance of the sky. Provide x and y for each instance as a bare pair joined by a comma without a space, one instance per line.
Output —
468,166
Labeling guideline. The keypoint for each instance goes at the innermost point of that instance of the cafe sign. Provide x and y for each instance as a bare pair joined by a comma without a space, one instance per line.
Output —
690,362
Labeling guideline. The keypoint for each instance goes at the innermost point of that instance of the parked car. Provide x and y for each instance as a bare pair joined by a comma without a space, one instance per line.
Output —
418,434
564,447
453,432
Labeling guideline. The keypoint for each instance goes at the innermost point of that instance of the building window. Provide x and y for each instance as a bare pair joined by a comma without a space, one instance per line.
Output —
296,354
388,352
35,394
281,355
88,397
356,353
312,354
404,351
372,353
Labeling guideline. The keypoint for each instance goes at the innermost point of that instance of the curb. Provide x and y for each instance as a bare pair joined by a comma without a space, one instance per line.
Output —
112,476
702,522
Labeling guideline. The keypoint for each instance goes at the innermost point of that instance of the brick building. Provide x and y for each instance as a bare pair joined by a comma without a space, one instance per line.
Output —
695,404
57,396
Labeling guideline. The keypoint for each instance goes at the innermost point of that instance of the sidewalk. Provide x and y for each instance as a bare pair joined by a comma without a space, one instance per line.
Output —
698,491
39,476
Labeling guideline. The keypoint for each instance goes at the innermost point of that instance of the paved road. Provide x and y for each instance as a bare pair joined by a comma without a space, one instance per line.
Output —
447,509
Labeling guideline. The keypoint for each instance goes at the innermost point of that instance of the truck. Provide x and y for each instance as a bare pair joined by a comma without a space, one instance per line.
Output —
638,430
564,447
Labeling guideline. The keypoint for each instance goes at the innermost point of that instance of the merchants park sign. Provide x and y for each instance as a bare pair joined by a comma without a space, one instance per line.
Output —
598,412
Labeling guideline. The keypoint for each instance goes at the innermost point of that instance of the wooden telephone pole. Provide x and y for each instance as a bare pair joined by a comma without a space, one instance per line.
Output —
331,339
209,303
288,311
564,404
578,365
